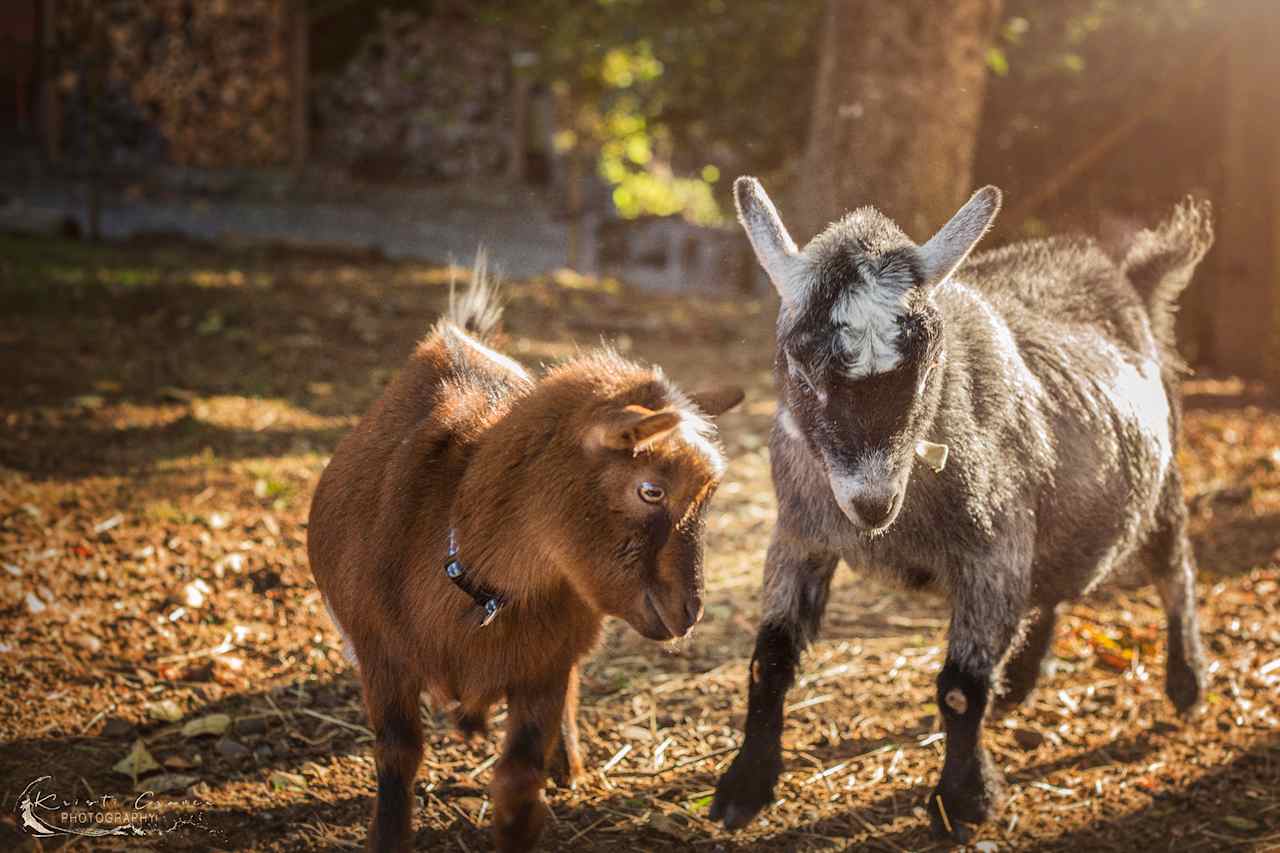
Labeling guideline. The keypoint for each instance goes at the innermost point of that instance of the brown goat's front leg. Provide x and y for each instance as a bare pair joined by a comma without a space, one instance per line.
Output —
392,701
988,606
565,758
519,809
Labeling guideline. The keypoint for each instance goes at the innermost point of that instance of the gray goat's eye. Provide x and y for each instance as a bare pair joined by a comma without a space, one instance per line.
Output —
651,493
802,379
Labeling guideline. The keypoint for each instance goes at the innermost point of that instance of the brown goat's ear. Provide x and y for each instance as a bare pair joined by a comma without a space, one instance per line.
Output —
634,428
717,401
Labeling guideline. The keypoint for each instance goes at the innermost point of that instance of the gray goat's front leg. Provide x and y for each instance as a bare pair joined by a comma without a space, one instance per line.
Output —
796,583
988,605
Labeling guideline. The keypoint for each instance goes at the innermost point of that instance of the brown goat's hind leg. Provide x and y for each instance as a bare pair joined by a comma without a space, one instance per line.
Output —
471,723
392,701
519,810
566,757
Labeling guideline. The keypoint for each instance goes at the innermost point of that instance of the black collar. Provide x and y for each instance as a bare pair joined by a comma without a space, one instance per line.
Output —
488,600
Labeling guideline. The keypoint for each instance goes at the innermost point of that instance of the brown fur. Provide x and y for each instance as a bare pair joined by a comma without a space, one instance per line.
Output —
539,481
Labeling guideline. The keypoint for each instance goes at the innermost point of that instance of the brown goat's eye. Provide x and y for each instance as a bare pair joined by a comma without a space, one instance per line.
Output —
651,493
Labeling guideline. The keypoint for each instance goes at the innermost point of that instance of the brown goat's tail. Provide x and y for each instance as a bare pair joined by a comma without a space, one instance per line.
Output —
477,309
1160,263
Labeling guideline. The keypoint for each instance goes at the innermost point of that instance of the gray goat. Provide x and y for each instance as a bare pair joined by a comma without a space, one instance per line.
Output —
1039,383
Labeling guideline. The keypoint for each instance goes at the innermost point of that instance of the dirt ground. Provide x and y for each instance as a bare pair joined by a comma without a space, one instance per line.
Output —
165,411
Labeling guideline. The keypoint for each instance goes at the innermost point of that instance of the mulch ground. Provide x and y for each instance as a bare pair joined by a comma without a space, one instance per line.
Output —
165,411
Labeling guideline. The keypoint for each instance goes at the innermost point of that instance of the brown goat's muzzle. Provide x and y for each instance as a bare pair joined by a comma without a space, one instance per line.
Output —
668,610
669,605
665,614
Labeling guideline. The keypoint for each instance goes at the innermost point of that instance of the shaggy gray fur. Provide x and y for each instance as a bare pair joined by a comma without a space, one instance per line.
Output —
1049,372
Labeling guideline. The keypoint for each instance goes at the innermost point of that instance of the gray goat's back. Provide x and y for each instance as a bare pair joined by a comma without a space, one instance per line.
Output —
1058,286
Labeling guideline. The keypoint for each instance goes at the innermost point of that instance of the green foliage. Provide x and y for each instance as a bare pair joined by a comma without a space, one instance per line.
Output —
997,63
667,97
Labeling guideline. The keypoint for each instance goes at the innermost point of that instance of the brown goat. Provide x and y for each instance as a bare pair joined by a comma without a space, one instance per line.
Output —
555,501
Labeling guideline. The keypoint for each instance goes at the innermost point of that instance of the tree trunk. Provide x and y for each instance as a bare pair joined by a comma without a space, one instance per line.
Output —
1244,310
299,85
899,96
50,106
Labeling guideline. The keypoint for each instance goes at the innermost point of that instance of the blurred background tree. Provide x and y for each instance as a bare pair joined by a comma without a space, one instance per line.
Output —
1090,114
895,117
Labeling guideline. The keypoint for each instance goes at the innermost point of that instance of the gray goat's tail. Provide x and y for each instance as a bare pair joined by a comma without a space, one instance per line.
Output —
1160,263
477,309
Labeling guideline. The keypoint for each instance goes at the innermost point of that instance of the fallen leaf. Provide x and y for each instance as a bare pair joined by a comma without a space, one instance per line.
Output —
667,825
107,524
1028,739
137,762
282,781
231,749
166,710
700,803
213,724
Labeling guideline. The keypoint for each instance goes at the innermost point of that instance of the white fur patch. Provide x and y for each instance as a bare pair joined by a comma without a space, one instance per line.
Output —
348,650
698,432
868,321
872,469
788,423
1138,393
505,362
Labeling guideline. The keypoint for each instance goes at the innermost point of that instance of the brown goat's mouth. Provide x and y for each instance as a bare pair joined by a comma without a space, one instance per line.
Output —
659,625
661,619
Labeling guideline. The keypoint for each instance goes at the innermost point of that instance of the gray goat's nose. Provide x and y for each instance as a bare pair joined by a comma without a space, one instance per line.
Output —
874,510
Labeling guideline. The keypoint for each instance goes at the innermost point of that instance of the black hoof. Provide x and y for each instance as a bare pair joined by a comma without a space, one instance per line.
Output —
744,790
1184,686
1006,703
971,797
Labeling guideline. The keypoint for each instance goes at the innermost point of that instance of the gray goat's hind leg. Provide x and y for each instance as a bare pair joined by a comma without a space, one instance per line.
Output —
1172,568
984,622
1022,669
796,583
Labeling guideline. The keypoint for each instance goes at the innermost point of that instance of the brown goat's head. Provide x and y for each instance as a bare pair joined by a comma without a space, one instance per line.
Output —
645,463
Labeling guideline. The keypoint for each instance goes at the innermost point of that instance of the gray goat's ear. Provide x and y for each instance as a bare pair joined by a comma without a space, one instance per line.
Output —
947,249
774,247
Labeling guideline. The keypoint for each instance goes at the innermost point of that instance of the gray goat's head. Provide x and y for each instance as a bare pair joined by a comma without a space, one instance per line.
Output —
858,336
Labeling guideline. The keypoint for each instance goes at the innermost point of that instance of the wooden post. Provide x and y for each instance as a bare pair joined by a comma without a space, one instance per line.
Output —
1244,311
574,249
50,108
299,67
99,66
521,88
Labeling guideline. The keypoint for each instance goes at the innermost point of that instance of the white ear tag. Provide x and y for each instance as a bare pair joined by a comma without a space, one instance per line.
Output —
933,455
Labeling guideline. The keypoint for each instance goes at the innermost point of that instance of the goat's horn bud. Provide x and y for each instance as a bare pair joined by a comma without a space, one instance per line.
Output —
933,455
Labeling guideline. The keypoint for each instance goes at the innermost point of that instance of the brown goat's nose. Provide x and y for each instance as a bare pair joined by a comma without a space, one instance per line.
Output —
693,610
874,510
